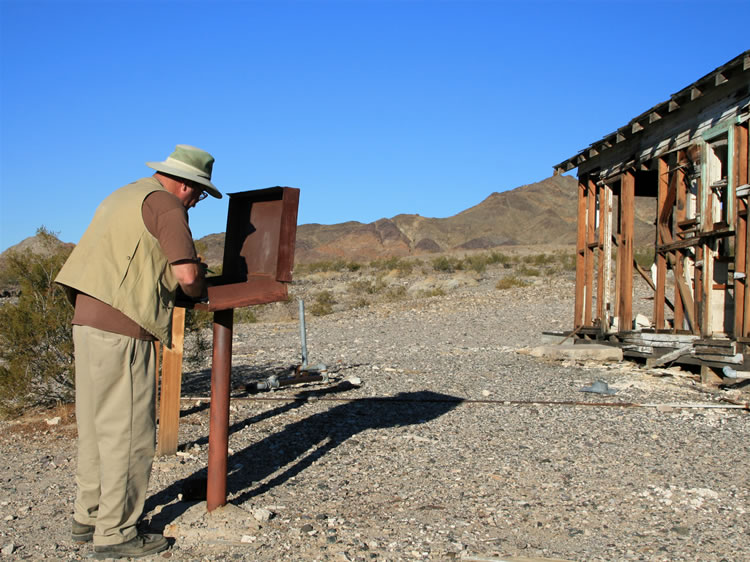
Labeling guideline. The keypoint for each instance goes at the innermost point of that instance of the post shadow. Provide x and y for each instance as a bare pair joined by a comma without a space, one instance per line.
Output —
288,448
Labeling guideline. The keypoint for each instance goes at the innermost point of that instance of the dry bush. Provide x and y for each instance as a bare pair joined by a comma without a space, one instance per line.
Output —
322,305
510,282
36,341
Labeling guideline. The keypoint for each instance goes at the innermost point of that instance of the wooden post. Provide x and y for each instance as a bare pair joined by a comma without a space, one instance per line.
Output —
171,385
679,269
157,373
589,248
625,247
661,259
740,246
604,202
580,256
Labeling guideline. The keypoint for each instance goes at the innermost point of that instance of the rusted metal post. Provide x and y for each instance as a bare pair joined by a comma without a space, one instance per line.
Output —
218,433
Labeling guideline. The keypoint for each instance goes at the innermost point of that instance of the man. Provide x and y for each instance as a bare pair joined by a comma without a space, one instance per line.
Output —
122,278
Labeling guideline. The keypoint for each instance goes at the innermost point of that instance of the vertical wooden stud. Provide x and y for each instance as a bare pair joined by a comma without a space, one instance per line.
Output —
679,267
171,385
589,250
625,273
157,376
602,221
740,244
580,258
607,251
661,260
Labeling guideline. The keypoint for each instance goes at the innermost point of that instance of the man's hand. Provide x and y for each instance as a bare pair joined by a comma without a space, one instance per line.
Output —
190,276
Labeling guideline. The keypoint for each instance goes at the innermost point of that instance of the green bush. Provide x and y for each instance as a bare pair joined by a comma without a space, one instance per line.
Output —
322,304
393,264
36,342
395,293
510,282
427,293
644,257
447,264
539,259
528,271
326,266
476,263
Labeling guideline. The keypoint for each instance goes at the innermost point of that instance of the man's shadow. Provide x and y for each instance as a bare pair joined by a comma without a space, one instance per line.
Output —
298,445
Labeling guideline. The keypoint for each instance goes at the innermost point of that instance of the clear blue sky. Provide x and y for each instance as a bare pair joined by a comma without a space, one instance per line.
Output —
372,108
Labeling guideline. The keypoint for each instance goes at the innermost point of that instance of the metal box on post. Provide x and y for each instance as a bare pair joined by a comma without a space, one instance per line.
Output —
257,266
258,249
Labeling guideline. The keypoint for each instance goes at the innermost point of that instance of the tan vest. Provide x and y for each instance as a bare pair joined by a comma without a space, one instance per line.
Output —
120,263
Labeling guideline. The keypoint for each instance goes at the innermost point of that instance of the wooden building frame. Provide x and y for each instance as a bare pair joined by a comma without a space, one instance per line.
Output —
689,155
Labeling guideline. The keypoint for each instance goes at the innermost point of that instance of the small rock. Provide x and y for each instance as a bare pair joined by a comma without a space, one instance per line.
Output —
485,393
263,514
8,549
54,421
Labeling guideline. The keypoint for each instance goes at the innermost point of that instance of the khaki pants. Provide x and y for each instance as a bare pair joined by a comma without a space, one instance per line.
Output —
116,431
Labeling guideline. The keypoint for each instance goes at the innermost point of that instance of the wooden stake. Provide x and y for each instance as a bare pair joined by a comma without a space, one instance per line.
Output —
171,385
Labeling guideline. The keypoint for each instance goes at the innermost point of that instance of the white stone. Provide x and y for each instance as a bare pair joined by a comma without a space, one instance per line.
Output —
262,514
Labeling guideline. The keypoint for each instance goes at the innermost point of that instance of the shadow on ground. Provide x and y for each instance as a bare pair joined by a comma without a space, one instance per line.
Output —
286,453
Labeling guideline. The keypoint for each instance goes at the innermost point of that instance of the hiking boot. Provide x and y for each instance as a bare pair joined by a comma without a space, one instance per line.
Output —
143,544
81,532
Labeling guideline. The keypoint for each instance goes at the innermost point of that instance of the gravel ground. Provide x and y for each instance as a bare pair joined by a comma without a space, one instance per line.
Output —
456,445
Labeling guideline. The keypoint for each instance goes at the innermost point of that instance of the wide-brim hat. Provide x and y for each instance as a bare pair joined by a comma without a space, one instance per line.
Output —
190,163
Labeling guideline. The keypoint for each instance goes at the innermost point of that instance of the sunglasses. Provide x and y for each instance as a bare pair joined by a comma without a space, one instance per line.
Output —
198,187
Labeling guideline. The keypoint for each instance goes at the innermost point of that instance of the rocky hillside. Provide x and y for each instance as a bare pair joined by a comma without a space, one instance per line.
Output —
542,213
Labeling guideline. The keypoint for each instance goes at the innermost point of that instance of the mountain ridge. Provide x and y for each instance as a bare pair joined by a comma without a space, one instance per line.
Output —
535,214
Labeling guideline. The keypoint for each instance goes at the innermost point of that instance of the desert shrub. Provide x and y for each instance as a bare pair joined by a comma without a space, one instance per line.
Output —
322,304
498,257
393,264
510,282
361,302
367,286
566,260
476,263
324,266
427,293
539,259
36,341
395,293
644,257
528,271
447,264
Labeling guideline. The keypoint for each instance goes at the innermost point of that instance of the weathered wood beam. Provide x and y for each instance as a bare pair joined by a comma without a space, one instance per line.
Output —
589,250
669,357
580,257
627,226
171,385
663,208
740,259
